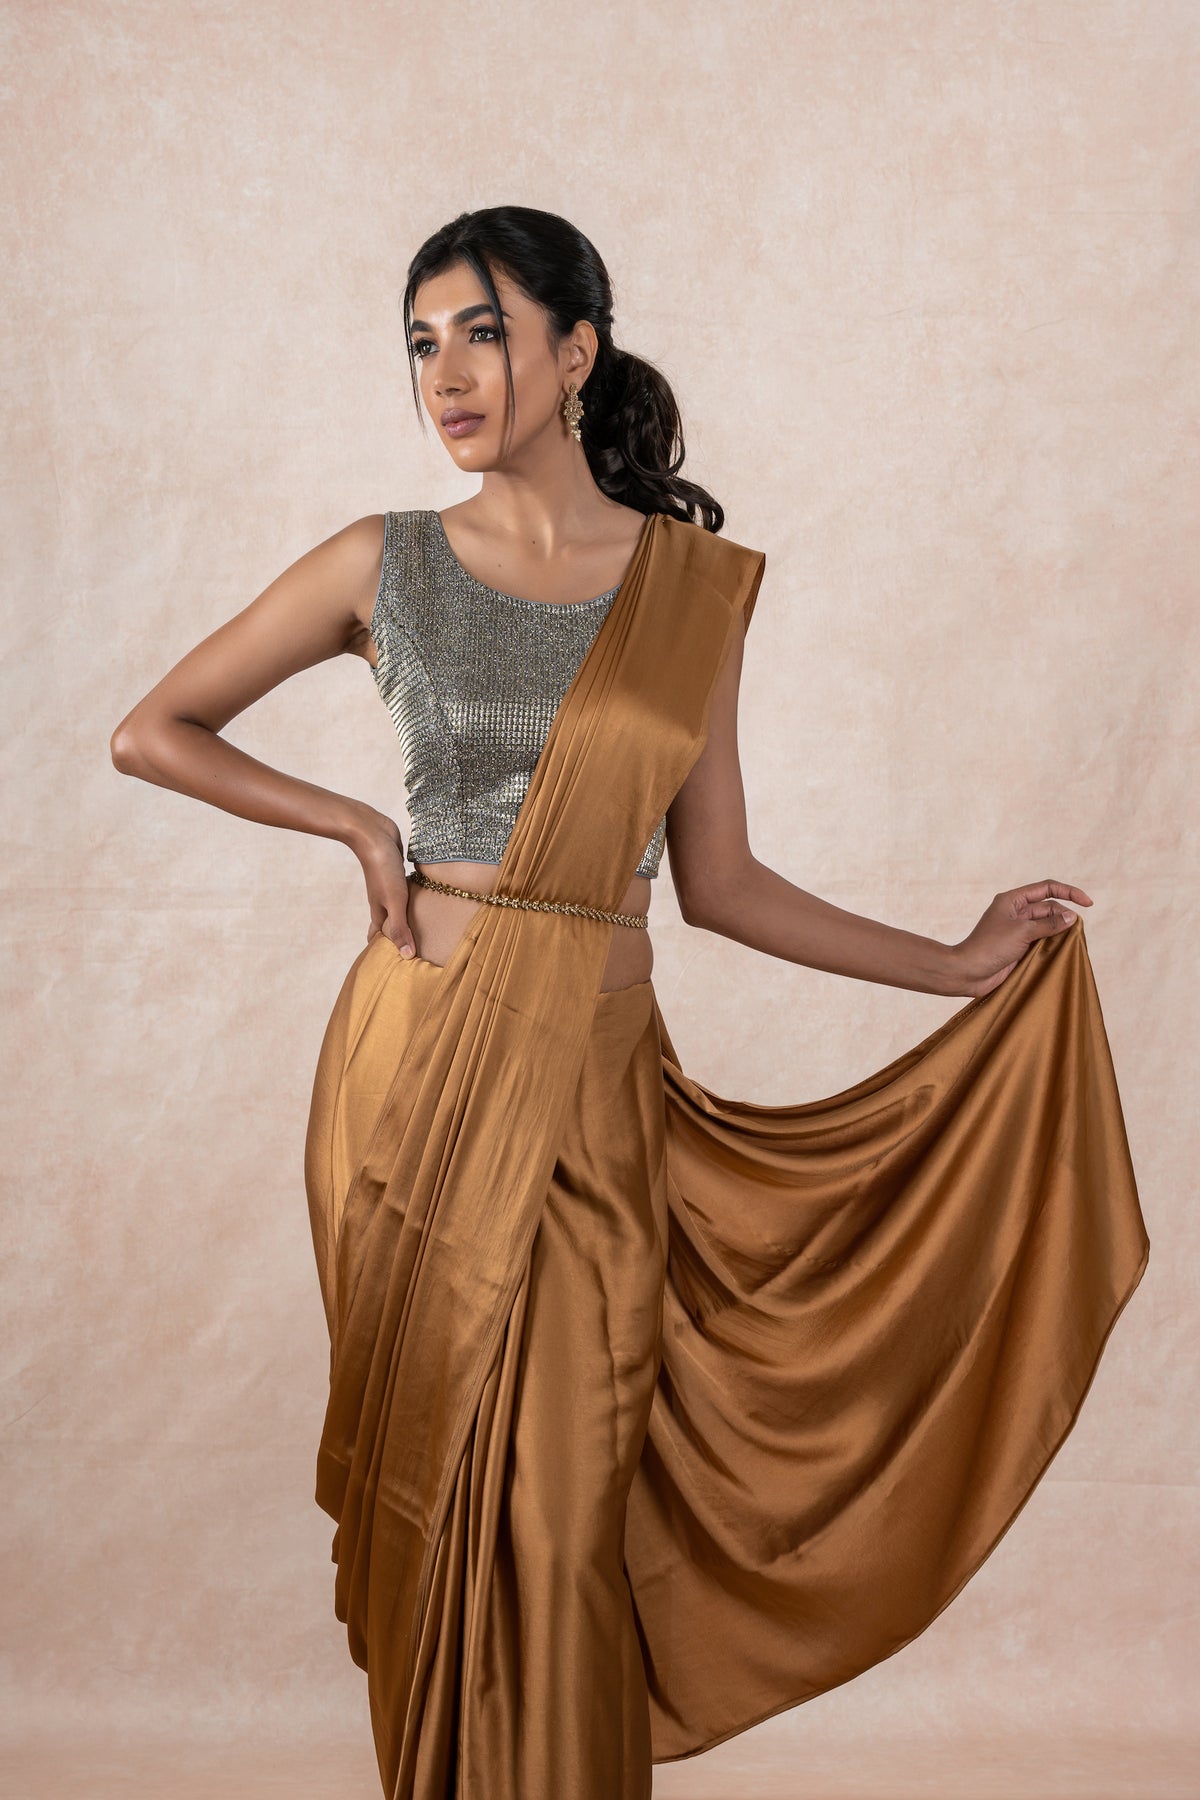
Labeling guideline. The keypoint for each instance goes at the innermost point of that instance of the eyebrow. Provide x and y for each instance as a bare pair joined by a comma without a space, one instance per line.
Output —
460,318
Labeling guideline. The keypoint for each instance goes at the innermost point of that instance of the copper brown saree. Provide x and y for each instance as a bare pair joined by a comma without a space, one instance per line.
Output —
653,1413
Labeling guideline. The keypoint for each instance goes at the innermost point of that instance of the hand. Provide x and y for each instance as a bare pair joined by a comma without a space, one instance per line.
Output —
380,851
1014,920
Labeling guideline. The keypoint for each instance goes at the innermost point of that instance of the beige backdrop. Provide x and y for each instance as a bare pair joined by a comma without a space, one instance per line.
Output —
924,279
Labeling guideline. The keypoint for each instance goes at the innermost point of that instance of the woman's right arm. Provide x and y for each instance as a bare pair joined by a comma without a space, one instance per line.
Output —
314,611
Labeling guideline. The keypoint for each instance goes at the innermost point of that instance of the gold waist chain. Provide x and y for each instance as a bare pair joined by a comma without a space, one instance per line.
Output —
640,920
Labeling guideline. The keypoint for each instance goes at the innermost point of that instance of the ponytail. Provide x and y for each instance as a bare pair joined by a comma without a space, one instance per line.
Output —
633,439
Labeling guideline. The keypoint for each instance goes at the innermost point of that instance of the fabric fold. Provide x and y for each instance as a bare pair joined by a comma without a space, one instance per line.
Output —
883,1313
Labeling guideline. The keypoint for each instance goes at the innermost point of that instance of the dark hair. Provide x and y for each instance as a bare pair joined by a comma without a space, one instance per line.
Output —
631,424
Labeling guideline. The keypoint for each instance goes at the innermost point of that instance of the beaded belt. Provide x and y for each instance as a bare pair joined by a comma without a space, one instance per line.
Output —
641,920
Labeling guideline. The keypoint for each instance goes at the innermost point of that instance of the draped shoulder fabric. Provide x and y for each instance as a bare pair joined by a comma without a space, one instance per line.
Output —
652,1413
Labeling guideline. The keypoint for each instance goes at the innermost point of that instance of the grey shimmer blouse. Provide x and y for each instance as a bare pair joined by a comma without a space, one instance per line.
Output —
472,678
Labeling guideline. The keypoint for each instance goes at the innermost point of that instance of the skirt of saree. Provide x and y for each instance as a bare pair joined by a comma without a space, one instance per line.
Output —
533,1676
775,1382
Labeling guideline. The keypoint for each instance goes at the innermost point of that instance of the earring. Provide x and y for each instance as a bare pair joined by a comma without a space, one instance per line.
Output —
572,411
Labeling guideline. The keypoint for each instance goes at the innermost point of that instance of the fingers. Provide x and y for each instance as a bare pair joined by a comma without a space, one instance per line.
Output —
394,923
1034,905
1025,899
1053,918
401,938
1057,918
398,928
1058,890
389,919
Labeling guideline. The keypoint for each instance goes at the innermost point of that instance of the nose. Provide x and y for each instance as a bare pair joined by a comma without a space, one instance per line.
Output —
445,379
448,392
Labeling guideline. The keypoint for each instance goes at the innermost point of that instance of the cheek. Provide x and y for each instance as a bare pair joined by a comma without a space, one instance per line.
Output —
534,387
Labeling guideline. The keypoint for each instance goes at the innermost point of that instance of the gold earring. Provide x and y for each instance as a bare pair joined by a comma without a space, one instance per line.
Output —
572,411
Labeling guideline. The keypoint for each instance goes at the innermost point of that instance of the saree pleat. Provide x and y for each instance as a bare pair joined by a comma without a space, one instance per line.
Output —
651,1412
530,1666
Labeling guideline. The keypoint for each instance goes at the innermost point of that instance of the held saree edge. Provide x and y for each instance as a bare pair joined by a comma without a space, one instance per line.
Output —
884,1312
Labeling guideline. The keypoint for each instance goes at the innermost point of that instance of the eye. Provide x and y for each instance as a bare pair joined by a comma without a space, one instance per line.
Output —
420,345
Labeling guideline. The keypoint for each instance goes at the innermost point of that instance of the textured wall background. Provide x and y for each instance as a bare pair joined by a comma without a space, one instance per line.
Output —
924,276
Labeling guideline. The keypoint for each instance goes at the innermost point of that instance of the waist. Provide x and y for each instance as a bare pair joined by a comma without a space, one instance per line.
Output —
638,921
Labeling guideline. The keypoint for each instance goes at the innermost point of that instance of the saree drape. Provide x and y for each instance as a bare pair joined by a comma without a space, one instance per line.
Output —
652,1413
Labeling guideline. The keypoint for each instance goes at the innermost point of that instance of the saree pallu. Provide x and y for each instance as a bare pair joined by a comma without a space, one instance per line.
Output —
653,1413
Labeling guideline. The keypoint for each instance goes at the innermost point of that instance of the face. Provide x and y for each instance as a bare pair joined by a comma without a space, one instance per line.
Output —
460,364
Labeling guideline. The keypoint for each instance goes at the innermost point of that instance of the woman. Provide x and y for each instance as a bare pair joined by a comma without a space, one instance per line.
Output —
651,1413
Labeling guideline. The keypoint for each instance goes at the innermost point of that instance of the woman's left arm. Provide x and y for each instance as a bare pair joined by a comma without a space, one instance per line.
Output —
722,887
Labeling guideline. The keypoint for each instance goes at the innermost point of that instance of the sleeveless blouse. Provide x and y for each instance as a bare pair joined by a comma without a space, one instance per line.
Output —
472,678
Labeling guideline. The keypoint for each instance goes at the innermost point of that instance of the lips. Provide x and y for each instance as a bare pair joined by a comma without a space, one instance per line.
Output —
455,415
462,424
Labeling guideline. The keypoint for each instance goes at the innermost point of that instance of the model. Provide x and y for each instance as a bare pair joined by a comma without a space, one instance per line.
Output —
651,1413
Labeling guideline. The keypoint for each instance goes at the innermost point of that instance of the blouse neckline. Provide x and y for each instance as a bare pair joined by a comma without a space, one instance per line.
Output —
499,593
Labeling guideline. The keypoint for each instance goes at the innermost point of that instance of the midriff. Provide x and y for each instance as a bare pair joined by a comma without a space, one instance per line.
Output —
437,921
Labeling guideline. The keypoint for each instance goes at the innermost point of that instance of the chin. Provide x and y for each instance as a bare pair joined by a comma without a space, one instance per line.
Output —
478,458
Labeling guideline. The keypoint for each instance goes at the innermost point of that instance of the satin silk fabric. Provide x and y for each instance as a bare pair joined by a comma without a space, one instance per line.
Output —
798,1367
533,1682
421,1259
883,1313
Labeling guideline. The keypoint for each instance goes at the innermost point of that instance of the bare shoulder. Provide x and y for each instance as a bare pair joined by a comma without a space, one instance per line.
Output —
347,566
618,532
357,552
605,548
625,524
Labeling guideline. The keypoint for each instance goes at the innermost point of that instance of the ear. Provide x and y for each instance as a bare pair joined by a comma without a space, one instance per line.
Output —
581,348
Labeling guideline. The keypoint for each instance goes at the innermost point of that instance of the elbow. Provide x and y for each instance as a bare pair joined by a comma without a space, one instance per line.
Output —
124,749
710,898
709,914
699,905
691,908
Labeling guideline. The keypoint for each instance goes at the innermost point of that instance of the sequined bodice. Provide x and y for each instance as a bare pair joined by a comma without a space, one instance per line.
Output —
472,678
